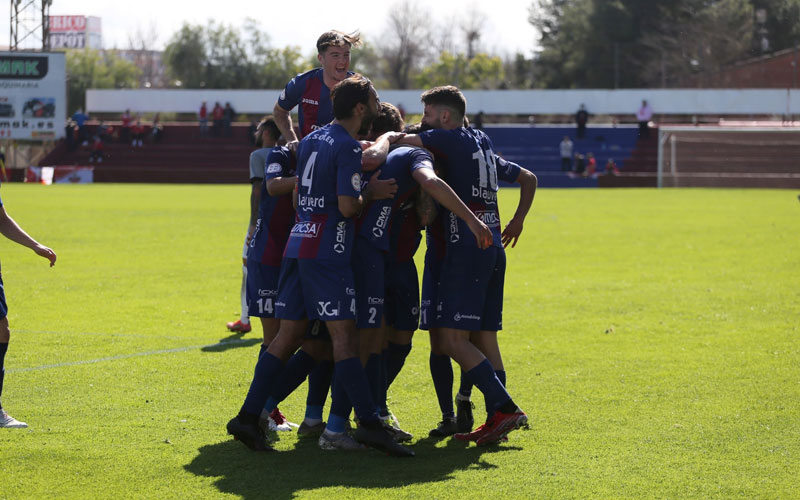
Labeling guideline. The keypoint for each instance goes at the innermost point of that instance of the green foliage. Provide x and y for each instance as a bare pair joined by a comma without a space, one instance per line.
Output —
651,335
635,43
480,72
222,57
90,69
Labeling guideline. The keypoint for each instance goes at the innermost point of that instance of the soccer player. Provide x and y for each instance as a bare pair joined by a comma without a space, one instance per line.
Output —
316,279
468,322
311,90
11,230
265,138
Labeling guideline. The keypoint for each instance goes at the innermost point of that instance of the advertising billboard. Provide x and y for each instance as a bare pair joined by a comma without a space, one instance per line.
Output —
33,95
75,32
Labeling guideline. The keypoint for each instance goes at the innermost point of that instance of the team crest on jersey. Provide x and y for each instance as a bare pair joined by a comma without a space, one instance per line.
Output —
274,168
356,181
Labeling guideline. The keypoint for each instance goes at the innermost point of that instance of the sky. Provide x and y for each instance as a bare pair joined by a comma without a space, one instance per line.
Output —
506,28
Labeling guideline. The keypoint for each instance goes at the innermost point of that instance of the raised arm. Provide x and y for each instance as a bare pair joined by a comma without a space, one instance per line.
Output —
528,182
283,119
376,153
444,194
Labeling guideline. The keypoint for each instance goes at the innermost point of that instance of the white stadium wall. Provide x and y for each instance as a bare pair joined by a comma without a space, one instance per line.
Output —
519,102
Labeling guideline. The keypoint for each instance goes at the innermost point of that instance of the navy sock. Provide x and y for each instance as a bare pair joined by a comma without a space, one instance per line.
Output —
383,409
340,406
501,376
396,355
350,374
268,370
484,379
465,386
442,375
3,350
319,381
294,373
373,372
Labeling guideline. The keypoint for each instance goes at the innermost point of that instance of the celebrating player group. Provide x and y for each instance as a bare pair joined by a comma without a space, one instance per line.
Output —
330,269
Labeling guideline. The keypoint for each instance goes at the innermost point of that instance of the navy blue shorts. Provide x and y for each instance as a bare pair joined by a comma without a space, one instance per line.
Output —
430,289
315,289
470,294
369,264
262,289
402,296
3,306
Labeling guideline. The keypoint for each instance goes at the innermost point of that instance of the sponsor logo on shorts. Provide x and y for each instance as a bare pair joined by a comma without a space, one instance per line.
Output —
350,291
356,181
380,223
426,303
459,317
306,229
488,217
341,232
310,101
280,304
327,309
454,236
414,310
484,194
374,301
274,168
267,293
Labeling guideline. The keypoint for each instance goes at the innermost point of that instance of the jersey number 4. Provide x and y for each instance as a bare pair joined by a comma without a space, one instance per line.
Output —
308,172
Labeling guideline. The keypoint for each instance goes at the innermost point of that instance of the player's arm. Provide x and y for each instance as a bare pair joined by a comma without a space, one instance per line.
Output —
411,140
255,201
528,182
374,155
426,208
377,189
11,230
283,119
445,196
279,186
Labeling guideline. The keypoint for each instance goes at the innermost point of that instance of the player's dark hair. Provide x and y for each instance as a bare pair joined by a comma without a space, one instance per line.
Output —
448,96
349,92
416,128
267,123
388,120
336,38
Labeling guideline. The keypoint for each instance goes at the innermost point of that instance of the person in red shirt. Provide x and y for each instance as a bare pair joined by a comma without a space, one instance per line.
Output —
203,116
217,114
97,150
138,133
125,130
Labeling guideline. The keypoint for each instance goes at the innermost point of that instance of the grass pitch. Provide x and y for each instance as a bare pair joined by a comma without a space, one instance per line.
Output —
651,335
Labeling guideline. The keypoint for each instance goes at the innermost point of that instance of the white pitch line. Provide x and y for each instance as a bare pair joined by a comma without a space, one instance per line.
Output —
125,356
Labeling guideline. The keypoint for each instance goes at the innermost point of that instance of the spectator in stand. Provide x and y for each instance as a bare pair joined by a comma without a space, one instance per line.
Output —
218,115
69,133
611,167
157,130
138,133
202,115
97,150
591,166
103,131
581,119
580,164
228,115
79,117
478,120
565,147
643,116
125,128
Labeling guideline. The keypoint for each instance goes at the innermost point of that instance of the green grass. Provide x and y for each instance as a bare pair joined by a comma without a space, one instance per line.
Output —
652,336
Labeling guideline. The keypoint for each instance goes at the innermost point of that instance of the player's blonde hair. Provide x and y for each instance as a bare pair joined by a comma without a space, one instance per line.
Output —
336,38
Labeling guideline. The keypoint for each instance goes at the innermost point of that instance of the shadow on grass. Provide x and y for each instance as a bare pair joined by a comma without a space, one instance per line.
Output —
281,474
231,342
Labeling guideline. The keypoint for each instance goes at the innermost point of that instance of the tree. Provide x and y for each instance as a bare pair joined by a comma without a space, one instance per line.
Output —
185,56
480,72
406,43
89,69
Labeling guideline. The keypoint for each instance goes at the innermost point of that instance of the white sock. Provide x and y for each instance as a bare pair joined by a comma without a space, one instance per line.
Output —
312,421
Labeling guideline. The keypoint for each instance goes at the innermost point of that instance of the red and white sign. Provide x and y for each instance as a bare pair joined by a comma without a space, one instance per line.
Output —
64,24
60,175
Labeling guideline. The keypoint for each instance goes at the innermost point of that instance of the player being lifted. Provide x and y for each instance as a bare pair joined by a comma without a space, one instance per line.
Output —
470,293
316,277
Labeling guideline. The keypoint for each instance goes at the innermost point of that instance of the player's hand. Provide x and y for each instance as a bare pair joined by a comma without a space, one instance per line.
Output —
482,233
47,253
511,232
381,189
250,230
365,145
393,137
292,146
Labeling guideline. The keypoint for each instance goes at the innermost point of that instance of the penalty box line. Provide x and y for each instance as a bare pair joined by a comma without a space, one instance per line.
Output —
127,356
